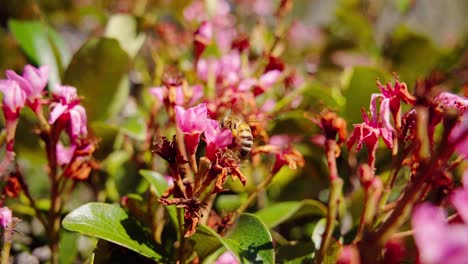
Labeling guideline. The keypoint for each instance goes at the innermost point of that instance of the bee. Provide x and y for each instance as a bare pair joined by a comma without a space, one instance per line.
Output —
241,132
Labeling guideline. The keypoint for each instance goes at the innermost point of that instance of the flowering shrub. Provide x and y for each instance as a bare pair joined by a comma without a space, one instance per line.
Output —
230,132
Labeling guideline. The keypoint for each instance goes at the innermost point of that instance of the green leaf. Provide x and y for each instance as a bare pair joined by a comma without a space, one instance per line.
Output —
248,240
97,71
42,45
358,91
294,123
124,28
160,186
302,252
414,55
135,127
112,223
281,212
68,247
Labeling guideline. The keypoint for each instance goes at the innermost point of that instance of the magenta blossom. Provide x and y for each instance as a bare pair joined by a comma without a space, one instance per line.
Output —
369,133
5,216
67,109
449,100
390,102
192,123
64,154
265,82
459,199
14,98
216,138
33,82
438,241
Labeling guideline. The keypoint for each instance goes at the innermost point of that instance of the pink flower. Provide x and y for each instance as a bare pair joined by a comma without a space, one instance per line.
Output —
390,102
449,100
369,133
263,7
66,108
437,241
265,82
349,255
459,136
14,98
64,154
192,123
459,199
5,216
33,81
216,138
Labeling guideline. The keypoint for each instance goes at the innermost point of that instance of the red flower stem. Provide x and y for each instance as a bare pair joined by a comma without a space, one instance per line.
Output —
332,212
55,199
372,242
336,185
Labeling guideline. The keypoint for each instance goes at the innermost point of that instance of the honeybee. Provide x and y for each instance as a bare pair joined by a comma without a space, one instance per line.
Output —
241,132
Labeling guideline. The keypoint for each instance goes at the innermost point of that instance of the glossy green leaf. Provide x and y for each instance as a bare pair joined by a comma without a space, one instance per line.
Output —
160,185
302,252
248,239
112,223
97,71
281,212
42,45
124,28
294,123
358,91
135,127
68,247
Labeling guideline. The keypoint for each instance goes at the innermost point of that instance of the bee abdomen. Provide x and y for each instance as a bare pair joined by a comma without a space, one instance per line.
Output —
244,140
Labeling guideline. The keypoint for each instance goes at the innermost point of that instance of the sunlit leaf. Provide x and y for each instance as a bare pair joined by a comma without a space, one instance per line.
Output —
112,223
249,240
358,90
97,70
281,212
124,28
43,45
160,185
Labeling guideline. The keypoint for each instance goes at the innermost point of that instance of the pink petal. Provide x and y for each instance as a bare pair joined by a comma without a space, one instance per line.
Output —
246,84
75,123
429,226
22,82
179,96
385,114
387,136
159,92
211,130
64,154
373,106
14,97
269,78
460,201
37,78
56,112
5,216
224,138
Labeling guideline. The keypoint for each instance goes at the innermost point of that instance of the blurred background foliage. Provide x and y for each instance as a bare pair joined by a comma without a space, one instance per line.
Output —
112,51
